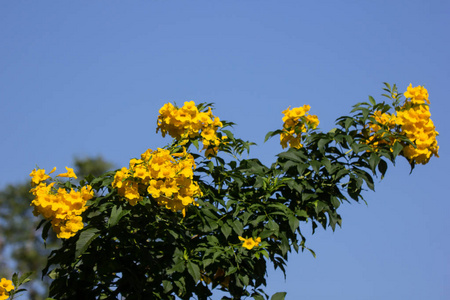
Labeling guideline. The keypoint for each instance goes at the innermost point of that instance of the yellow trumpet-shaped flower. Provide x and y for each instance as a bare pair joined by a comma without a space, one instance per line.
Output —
38,176
69,174
5,287
250,243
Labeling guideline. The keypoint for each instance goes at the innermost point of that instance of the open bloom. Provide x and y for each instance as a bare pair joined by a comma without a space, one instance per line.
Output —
250,243
414,117
296,121
38,176
70,174
5,287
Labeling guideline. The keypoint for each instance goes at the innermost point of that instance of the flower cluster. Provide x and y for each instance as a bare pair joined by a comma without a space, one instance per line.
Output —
167,177
5,287
296,121
384,123
416,124
188,122
412,120
62,207
250,243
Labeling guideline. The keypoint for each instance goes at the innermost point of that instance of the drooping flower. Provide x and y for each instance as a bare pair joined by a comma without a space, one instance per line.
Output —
69,174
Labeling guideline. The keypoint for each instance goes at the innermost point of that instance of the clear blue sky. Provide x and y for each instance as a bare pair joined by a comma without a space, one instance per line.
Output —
88,77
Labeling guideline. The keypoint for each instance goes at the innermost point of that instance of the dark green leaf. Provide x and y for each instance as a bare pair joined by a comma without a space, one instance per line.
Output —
116,215
293,222
348,123
85,239
24,278
290,155
373,161
257,296
194,270
226,230
167,286
315,165
382,167
237,226
397,148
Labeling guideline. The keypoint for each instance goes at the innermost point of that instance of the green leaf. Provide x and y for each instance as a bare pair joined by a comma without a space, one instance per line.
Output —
372,100
258,220
177,267
211,166
212,239
321,144
335,201
231,270
315,165
273,226
245,279
45,230
278,296
397,148
24,278
207,261
116,215
301,213
237,226
85,239
382,167
290,155
167,286
365,112
348,123
288,164
15,279
226,230
341,173
327,164
268,136
257,297
293,222
194,270
373,161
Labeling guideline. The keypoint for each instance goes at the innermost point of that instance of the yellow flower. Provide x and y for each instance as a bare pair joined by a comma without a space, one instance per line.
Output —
5,287
69,174
63,208
38,176
187,123
416,124
6,284
296,121
384,121
250,243
418,94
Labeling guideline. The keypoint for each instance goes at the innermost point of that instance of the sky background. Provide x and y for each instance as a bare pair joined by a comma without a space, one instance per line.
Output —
87,78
